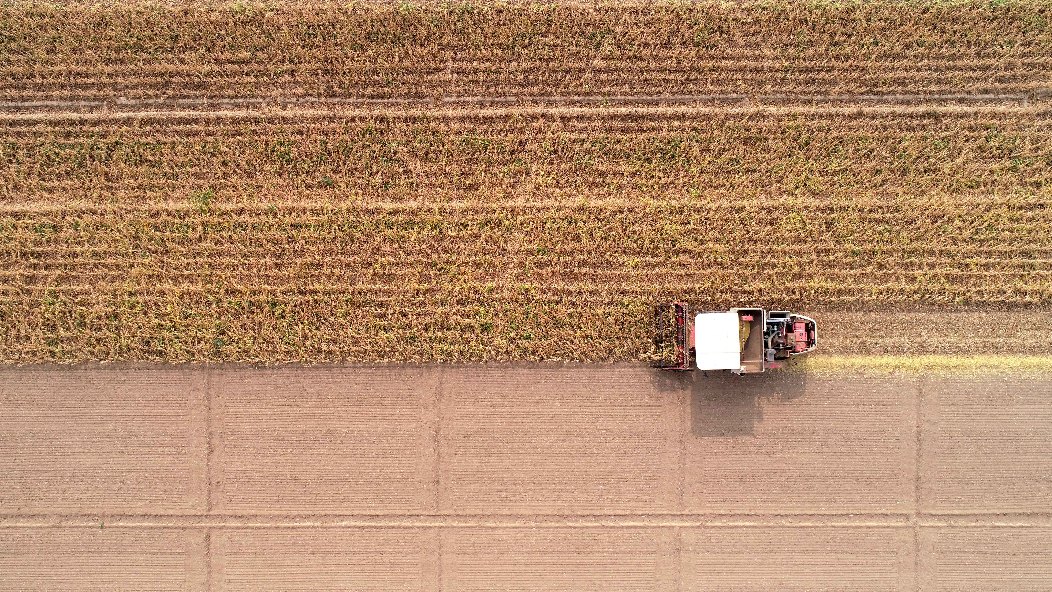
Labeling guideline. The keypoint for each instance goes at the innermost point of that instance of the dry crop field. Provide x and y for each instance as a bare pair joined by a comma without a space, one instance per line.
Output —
455,182
423,50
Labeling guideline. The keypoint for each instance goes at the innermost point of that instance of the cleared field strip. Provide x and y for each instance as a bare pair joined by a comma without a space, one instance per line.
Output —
545,441
748,451
103,442
537,478
736,558
466,234
982,559
103,559
995,335
150,51
333,442
360,559
560,559
798,559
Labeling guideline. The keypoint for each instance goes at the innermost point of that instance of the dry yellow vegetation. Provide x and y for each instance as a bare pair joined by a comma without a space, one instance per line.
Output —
152,50
195,227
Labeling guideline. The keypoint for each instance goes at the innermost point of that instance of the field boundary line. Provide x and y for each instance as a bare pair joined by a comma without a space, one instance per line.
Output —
209,442
439,396
918,411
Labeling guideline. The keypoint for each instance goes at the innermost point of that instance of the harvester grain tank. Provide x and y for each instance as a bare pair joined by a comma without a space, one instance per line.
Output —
740,340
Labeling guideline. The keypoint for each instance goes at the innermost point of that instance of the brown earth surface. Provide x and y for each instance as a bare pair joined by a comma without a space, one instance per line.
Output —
521,478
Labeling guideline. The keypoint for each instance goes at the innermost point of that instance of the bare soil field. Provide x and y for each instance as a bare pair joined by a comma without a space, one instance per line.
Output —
513,478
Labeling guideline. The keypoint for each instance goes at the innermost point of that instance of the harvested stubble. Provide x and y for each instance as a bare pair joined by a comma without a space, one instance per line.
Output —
279,50
503,234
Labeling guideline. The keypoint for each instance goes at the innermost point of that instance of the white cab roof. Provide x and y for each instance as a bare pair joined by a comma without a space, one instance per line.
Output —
716,342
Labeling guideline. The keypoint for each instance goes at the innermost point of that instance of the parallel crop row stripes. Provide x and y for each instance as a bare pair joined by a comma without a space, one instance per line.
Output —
522,156
146,50
535,227
559,282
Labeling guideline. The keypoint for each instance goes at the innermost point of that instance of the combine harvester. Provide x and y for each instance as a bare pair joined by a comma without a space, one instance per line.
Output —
741,340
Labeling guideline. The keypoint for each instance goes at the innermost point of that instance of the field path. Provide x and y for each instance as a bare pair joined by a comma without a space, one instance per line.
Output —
520,478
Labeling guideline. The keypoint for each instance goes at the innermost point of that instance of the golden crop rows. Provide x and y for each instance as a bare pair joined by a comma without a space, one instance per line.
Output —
509,235
520,156
145,50
151,207
462,283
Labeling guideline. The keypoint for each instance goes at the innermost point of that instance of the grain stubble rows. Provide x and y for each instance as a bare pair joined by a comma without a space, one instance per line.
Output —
145,51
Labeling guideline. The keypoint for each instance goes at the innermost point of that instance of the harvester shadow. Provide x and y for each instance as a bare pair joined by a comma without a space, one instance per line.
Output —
726,405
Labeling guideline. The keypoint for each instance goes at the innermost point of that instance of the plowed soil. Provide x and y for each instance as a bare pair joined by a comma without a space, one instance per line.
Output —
510,478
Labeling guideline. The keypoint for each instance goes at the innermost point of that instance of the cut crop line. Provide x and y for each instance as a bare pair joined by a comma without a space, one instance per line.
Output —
221,521
505,106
